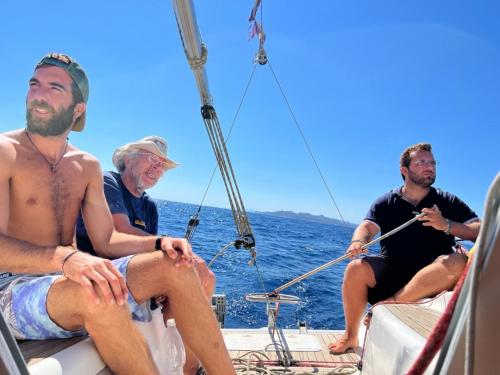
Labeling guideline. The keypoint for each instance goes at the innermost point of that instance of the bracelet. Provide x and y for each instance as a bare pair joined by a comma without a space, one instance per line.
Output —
448,227
66,257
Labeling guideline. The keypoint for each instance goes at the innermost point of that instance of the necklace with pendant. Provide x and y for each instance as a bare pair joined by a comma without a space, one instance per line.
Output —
53,166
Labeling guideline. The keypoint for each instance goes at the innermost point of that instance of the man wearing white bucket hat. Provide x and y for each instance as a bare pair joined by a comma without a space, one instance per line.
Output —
140,166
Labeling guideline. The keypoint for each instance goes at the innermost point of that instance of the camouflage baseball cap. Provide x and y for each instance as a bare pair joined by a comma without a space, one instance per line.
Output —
77,74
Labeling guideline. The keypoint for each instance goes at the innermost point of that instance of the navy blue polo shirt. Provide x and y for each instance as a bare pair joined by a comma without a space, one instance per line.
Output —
416,246
141,211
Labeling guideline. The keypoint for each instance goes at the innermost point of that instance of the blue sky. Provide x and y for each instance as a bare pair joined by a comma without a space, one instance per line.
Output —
365,79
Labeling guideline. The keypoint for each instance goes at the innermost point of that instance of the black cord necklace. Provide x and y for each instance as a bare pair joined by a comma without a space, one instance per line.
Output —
53,166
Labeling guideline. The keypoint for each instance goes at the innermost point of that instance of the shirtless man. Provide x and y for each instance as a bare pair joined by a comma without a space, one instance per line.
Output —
415,263
44,182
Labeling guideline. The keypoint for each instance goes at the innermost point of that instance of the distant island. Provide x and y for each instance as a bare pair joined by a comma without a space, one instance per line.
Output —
285,214
307,217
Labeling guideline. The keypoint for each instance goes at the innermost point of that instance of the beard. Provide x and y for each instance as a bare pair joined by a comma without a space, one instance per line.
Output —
140,184
56,125
422,181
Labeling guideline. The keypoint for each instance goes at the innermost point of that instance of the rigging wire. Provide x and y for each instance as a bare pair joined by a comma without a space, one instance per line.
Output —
190,231
305,140
262,59
219,147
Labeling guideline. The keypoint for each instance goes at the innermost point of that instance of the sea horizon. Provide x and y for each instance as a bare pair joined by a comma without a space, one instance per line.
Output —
286,248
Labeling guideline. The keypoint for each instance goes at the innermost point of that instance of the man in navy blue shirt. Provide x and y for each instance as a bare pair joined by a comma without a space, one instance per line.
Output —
417,262
140,165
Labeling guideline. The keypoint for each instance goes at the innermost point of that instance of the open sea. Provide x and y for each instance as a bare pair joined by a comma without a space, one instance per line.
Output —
286,248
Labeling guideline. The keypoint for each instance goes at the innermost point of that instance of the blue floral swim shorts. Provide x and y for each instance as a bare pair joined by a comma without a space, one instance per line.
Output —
23,304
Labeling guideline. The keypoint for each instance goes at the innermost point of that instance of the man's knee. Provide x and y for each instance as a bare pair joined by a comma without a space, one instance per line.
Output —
210,285
207,277
211,278
154,274
359,269
70,306
104,313
454,263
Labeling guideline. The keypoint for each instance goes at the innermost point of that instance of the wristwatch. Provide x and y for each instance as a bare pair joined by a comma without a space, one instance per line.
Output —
158,243
448,227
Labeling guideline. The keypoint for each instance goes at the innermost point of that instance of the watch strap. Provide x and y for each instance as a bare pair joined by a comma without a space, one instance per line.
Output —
158,243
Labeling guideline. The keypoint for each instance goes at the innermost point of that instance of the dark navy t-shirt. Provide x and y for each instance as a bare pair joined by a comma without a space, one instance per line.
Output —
141,211
416,246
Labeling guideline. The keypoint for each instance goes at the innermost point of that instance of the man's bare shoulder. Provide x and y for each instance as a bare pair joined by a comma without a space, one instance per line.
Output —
88,162
8,146
73,151
12,137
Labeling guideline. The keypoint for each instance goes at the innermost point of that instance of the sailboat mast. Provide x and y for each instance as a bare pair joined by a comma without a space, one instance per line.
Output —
196,54
195,50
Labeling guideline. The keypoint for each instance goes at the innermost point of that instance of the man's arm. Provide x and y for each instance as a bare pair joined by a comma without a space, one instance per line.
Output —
99,223
119,246
361,236
18,256
122,224
434,218
90,272
465,231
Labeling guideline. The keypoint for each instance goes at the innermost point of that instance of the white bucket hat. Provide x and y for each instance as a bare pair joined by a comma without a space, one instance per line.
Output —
154,144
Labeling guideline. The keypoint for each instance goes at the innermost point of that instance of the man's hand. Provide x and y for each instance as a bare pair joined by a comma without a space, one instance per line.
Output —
356,248
98,277
433,218
178,249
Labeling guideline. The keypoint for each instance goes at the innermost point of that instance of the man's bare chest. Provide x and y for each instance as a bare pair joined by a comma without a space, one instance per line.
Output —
35,187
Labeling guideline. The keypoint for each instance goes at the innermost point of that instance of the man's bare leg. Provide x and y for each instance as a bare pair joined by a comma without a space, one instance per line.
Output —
208,282
440,275
358,277
154,274
116,337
